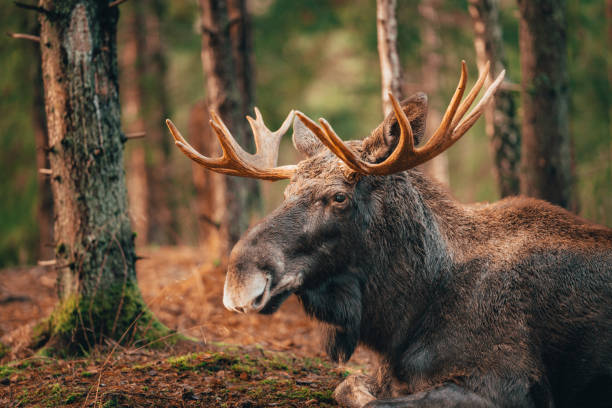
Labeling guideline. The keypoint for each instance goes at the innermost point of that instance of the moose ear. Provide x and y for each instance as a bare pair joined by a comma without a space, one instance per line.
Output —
304,140
381,143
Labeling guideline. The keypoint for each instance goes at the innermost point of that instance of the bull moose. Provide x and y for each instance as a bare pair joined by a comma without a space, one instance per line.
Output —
492,305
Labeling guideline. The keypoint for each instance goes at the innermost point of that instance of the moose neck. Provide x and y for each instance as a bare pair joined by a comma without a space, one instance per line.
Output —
410,259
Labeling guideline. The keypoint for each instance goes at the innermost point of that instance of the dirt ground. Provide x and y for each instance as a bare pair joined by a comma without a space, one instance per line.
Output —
242,360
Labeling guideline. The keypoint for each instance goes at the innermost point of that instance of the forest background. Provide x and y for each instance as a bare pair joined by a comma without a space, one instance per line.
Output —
318,56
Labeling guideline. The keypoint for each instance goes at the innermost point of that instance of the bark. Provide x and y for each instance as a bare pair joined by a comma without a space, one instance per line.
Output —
242,49
97,286
44,205
546,167
436,168
223,94
502,127
390,65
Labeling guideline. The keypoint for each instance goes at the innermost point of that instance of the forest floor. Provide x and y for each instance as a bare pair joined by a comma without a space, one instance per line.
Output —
239,361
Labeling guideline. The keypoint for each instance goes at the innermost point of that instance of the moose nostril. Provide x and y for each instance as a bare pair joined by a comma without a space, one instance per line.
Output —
259,299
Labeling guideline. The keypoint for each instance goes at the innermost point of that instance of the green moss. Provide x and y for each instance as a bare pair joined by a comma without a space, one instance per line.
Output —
118,312
6,371
306,393
87,374
111,403
243,368
186,362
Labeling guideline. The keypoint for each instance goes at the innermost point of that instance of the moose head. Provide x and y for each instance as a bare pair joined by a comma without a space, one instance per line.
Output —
335,227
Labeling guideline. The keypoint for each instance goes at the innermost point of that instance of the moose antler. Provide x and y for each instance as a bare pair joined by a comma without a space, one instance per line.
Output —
406,155
234,160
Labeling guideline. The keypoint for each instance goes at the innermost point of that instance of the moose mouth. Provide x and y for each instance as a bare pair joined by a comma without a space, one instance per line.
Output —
275,302
257,294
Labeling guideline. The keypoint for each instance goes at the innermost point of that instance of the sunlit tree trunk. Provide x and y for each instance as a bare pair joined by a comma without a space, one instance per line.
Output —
390,65
432,61
223,88
99,295
546,167
501,123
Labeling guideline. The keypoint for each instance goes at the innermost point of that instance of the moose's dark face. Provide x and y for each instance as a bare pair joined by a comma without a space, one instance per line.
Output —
319,230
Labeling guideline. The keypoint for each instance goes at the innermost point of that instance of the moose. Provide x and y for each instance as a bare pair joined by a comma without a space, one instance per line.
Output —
506,304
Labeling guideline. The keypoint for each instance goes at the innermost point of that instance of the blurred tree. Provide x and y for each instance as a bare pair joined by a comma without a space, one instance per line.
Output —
501,123
99,295
210,206
132,37
390,66
145,105
436,168
546,164
227,67
163,223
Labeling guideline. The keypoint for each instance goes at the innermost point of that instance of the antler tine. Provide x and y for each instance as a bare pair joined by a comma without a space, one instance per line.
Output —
441,134
465,105
233,155
406,155
330,139
467,123
188,150
234,160
267,142
403,153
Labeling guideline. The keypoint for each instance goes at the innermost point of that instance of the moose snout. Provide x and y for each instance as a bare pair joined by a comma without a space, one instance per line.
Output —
246,292
250,273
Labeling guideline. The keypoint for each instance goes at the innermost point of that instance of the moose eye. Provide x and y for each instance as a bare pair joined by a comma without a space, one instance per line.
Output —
339,197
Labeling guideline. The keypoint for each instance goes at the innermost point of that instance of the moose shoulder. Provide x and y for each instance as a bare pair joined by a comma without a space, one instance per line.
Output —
500,305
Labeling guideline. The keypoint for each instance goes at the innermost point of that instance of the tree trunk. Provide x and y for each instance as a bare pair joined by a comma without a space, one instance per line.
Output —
223,93
163,224
390,65
210,194
145,105
546,168
99,295
132,36
437,167
242,49
500,116
44,206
